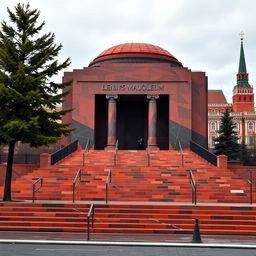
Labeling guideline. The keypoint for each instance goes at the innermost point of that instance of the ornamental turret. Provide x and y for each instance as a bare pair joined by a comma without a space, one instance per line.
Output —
243,97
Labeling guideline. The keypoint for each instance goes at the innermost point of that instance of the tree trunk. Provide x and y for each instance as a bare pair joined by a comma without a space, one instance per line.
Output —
8,176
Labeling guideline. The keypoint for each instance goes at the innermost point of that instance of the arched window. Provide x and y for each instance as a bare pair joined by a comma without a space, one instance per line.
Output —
250,126
251,140
213,126
235,126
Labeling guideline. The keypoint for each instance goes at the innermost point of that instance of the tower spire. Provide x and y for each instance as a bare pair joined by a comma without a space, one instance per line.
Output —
242,75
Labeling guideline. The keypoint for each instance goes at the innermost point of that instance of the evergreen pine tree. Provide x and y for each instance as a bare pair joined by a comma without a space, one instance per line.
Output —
244,152
227,142
28,98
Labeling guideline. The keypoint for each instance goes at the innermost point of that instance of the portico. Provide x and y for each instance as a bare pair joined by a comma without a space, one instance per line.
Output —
131,118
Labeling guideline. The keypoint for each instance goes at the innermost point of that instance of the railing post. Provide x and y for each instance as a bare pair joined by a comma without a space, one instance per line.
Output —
93,217
251,182
182,154
106,193
91,212
33,194
77,178
85,149
109,179
115,152
193,189
34,188
148,153
73,192
195,195
88,228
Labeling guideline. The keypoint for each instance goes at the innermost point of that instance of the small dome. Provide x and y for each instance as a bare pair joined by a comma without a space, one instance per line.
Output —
135,53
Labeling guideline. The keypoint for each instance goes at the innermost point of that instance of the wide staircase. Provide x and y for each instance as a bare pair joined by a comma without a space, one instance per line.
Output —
147,194
128,218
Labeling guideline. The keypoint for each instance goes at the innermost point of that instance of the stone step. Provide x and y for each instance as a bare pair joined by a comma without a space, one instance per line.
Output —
129,218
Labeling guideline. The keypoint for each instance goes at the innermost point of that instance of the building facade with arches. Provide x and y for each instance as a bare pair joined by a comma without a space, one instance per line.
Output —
241,109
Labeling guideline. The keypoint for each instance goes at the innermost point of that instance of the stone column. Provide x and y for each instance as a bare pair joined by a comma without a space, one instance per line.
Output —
111,120
152,120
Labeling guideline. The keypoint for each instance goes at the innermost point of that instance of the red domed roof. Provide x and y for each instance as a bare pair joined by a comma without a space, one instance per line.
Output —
135,51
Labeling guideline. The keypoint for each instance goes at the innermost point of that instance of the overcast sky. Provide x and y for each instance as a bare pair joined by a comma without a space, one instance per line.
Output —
202,34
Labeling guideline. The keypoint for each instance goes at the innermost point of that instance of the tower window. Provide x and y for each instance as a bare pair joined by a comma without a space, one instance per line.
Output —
235,126
213,126
250,126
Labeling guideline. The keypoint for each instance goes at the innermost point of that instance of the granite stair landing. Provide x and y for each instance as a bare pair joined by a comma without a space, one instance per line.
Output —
132,180
128,218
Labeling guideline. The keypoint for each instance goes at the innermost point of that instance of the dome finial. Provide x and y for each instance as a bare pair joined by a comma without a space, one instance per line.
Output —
241,34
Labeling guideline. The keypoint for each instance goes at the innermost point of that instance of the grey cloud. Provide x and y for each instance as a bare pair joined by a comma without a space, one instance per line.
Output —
203,35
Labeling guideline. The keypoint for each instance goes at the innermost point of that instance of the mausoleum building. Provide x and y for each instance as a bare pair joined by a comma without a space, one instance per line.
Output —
137,91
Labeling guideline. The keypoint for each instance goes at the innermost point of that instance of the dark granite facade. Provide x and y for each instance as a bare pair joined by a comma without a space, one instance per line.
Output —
184,107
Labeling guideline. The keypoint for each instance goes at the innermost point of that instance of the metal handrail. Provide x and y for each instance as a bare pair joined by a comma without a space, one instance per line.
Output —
91,212
148,153
109,179
250,181
115,153
193,184
182,155
77,178
85,150
36,189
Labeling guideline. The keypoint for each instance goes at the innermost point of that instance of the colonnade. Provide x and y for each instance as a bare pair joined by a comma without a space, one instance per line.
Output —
112,120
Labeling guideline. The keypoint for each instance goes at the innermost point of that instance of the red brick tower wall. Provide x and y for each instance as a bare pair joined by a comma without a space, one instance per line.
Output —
243,102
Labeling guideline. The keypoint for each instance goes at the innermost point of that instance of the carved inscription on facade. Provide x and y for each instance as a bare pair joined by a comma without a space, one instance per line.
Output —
133,87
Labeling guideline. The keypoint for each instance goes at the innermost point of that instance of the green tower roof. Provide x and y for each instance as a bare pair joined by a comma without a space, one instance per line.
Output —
242,75
242,64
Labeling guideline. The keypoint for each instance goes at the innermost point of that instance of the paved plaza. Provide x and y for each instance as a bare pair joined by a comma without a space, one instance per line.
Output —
51,243
71,250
